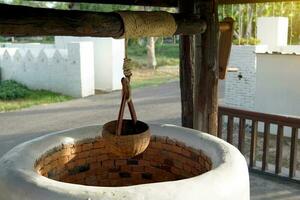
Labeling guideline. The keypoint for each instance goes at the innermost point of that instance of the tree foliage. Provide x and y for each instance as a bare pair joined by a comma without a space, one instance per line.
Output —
245,16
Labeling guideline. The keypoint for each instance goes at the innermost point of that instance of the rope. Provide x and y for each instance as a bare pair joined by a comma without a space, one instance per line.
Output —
147,24
127,66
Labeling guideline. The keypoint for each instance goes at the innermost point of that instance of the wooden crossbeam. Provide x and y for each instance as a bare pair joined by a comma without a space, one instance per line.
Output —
159,3
28,21
163,3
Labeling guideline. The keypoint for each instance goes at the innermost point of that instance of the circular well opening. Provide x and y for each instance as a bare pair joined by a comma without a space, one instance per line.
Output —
89,162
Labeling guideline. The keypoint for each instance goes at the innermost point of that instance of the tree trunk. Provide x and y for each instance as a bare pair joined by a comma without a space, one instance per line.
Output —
151,58
249,21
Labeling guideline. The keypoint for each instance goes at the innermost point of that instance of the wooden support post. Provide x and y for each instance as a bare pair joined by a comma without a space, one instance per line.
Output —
187,48
207,69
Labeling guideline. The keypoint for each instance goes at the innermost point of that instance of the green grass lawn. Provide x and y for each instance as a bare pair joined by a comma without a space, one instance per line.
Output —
149,77
14,96
35,97
166,55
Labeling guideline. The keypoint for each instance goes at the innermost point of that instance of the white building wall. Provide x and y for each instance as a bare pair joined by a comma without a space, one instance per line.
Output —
277,85
66,71
108,60
272,31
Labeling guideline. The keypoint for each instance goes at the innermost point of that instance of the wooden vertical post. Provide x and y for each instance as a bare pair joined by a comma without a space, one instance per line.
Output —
206,69
187,49
241,142
253,144
279,145
266,147
293,153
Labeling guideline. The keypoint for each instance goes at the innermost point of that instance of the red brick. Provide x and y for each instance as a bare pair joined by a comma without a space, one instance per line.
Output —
171,141
66,152
77,149
91,180
121,162
84,154
144,162
102,157
186,153
63,160
108,164
80,162
187,168
87,146
99,144
138,168
113,175
96,152
161,139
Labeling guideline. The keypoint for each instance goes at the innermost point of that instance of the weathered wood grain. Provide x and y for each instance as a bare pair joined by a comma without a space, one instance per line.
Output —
28,21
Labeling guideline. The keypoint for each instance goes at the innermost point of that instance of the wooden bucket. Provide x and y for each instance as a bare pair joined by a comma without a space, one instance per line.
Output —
133,140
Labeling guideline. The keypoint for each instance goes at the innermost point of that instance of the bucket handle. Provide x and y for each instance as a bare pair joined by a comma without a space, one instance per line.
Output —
126,97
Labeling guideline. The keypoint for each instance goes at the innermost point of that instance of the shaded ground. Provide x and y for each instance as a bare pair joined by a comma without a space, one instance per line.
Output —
153,104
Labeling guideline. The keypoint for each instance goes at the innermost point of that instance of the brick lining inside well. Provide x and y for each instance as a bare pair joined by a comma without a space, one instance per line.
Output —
89,162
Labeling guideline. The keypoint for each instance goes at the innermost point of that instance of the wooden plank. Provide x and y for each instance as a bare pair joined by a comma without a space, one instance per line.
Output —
220,125
279,141
253,143
230,129
241,142
293,153
266,146
206,69
27,21
186,54
226,30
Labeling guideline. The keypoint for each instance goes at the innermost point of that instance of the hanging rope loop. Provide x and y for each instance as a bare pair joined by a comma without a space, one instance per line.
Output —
127,66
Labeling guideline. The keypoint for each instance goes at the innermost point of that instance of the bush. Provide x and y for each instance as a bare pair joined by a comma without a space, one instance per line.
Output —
10,90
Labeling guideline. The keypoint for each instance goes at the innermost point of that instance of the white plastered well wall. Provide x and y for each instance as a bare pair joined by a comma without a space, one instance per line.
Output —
228,180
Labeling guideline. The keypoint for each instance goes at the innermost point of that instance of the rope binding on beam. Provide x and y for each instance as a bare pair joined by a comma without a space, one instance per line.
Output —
147,24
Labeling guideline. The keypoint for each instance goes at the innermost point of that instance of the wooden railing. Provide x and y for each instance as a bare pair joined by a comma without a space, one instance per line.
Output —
237,121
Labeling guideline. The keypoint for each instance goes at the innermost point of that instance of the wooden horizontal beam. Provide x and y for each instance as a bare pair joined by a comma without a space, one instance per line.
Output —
163,3
159,3
28,21
251,1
